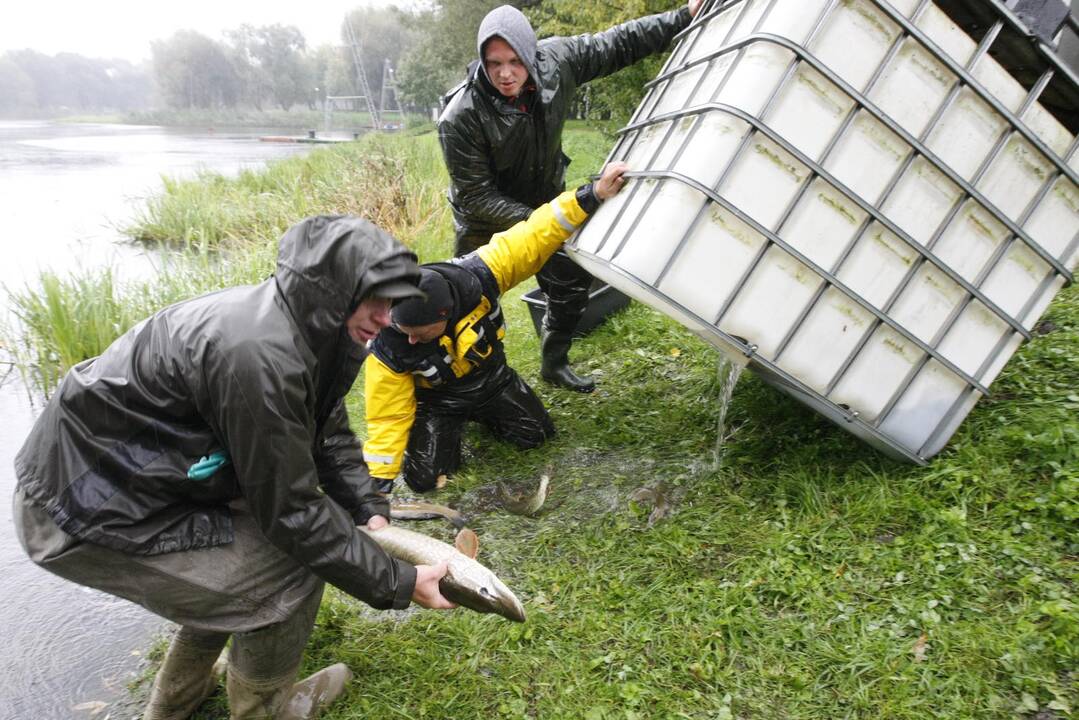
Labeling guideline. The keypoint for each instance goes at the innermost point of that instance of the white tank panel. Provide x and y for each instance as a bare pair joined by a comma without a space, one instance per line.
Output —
809,111
764,165
970,241
921,200
773,297
823,224
716,255
826,339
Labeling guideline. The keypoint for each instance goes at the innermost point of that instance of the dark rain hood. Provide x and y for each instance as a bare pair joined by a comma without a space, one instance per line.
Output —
323,274
258,372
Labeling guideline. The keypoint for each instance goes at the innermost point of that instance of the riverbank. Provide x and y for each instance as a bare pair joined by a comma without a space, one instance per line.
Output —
806,576
298,118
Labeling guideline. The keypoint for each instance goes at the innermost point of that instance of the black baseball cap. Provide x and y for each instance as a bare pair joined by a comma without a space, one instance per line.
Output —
433,304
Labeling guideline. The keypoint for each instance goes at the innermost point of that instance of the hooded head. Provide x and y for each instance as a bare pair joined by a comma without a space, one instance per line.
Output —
328,264
509,24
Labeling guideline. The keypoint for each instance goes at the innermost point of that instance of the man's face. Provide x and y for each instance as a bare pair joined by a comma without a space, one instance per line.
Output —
372,315
419,334
504,68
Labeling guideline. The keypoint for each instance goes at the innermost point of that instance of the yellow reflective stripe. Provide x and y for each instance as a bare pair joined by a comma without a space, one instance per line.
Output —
372,457
561,218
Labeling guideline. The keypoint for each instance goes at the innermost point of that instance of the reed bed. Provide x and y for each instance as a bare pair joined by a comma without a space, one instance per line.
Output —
212,231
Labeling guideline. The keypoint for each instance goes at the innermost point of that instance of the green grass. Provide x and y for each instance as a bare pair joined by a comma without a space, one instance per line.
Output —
806,577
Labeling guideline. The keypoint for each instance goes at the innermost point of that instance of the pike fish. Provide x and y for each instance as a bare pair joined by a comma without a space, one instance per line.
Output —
418,510
529,503
467,582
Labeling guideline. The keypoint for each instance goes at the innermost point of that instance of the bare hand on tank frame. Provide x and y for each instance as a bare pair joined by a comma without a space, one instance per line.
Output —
611,180
694,6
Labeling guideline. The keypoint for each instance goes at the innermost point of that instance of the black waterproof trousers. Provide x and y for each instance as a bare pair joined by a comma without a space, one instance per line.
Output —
503,403
564,283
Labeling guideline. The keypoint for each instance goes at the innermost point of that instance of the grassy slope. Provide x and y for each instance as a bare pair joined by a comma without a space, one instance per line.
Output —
807,577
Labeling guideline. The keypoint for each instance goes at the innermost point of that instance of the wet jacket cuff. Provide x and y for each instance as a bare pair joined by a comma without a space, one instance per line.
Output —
406,584
371,508
587,198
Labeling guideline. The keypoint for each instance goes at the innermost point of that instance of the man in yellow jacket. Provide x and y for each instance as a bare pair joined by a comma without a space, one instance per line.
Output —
441,363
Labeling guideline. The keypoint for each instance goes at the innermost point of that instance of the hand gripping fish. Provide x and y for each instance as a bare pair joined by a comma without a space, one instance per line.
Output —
466,583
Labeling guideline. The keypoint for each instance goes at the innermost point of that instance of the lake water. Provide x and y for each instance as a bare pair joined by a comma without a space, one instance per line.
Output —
65,192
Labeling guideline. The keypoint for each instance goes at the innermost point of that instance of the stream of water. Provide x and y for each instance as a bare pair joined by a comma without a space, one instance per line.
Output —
728,370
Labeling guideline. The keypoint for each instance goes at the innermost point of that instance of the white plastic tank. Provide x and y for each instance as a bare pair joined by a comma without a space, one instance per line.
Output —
857,195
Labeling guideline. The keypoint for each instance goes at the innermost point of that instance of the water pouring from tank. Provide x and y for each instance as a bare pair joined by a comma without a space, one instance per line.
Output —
728,370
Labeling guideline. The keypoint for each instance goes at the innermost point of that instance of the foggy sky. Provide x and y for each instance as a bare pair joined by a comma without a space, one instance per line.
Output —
124,28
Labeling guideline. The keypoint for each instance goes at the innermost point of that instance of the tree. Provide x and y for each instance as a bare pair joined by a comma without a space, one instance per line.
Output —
271,63
32,83
193,71
16,88
83,82
41,70
619,94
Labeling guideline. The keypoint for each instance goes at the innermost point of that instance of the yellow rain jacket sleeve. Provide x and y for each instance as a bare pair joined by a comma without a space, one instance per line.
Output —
518,253
390,399
513,256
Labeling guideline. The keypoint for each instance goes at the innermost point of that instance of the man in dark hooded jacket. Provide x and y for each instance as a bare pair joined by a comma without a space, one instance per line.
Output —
203,467
501,135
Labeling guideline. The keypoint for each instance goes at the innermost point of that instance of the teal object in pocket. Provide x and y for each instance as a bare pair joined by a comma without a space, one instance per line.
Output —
208,465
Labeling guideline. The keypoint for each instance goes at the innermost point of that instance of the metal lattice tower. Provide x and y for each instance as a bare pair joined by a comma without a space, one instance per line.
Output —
365,87
389,91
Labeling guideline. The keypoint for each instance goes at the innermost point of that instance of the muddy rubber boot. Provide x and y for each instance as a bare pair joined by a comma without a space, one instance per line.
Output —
263,663
309,697
555,369
281,699
257,698
188,675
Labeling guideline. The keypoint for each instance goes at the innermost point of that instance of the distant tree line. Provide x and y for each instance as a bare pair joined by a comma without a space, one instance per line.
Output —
32,83
430,47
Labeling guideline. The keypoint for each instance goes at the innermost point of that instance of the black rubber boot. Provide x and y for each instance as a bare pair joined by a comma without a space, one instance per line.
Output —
554,348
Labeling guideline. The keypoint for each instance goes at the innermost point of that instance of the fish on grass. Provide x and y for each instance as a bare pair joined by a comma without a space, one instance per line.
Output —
420,510
467,582
528,503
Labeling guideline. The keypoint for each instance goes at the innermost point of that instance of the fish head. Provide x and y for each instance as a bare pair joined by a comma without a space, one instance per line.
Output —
479,589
